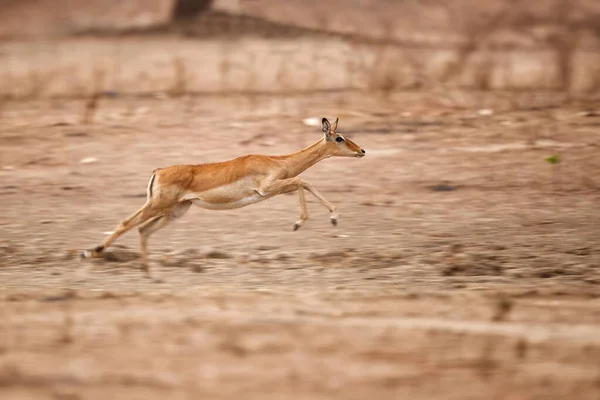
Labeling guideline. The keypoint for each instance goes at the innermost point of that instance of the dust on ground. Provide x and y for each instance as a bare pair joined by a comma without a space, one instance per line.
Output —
464,264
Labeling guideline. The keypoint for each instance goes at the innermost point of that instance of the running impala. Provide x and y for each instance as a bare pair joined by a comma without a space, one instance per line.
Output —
230,184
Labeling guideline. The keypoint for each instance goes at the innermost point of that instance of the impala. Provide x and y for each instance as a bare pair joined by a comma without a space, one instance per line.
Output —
230,184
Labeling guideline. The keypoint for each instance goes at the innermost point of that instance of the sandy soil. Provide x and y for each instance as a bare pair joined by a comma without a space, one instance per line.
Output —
464,265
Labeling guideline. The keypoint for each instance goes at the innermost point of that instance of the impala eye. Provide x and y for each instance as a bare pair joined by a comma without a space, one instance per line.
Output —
339,139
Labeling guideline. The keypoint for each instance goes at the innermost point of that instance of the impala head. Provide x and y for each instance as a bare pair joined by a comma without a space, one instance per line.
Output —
338,144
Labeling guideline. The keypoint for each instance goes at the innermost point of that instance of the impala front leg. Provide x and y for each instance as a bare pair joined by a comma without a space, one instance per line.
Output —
333,218
289,185
281,186
303,209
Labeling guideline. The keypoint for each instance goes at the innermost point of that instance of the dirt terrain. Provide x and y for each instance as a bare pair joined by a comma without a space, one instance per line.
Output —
464,265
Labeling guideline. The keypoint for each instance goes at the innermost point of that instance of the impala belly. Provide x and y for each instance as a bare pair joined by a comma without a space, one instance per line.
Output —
234,195
201,202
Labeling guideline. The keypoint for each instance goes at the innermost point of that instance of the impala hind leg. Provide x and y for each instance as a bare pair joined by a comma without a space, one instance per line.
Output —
155,224
142,215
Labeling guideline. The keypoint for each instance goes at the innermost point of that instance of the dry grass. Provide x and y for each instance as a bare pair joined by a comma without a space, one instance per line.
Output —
180,78
93,99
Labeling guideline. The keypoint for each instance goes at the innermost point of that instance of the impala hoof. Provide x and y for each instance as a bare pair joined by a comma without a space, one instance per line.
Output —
92,253
297,226
333,221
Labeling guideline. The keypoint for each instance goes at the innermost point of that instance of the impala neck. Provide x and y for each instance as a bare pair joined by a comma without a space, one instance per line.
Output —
306,158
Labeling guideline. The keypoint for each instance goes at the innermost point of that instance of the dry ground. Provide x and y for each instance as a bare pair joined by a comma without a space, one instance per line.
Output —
464,266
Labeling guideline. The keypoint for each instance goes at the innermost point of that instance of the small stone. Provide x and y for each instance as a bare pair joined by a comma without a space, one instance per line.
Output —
216,254
88,160
197,268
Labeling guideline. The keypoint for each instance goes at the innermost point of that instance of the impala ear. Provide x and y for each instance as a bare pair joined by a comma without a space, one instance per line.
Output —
335,124
326,127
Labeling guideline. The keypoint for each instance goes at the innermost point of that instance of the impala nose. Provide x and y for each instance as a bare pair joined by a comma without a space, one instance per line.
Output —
363,151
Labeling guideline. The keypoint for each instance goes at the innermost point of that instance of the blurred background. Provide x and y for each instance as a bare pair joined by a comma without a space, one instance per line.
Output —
254,46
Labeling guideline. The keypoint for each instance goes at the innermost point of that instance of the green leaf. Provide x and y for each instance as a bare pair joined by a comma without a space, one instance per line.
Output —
555,159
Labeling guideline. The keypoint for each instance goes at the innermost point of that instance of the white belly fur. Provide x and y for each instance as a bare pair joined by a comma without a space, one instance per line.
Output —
235,195
200,202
